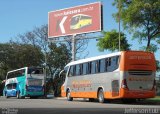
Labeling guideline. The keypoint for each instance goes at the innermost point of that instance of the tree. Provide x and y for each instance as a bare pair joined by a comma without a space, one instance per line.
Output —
111,41
141,17
57,57
39,35
81,45
14,56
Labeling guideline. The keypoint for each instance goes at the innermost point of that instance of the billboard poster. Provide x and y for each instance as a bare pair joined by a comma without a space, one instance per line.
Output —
75,20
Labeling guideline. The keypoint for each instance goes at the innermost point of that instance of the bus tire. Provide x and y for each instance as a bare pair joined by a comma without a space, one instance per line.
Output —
101,98
17,95
91,99
69,98
128,101
6,96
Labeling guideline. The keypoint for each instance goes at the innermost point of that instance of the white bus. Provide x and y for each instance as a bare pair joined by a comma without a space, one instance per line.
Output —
126,75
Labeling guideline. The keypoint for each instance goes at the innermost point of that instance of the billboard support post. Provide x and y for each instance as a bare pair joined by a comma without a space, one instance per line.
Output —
73,48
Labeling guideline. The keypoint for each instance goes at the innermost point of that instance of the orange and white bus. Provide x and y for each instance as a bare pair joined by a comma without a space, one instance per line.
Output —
126,75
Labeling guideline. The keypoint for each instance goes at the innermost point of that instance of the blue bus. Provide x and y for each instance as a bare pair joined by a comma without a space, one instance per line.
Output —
24,82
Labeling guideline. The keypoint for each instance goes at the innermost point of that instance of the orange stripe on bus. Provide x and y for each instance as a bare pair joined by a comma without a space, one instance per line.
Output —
125,93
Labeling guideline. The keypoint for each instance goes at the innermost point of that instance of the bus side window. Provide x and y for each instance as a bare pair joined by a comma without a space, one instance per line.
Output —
97,66
109,67
117,60
71,71
88,67
102,65
93,67
81,69
77,70
84,67
109,62
106,64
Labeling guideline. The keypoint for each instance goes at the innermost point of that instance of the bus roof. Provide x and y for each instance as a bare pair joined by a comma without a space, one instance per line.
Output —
22,69
16,70
102,56
93,58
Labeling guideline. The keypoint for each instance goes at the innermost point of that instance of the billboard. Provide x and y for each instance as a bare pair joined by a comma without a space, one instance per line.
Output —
75,20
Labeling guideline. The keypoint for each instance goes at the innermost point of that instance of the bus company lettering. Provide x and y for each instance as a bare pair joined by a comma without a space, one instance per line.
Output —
80,84
140,57
144,79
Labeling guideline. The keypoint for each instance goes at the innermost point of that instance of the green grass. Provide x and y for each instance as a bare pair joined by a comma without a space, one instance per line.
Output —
156,99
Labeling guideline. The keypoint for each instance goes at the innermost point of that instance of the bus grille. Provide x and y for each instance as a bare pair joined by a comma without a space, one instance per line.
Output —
140,72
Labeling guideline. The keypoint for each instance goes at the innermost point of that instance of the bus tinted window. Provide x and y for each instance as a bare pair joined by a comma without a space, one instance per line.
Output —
71,71
88,67
97,66
93,67
106,64
113,63
84,68
17,73
117,60
109,61
77,70
14,86
35,70
102,65
11,86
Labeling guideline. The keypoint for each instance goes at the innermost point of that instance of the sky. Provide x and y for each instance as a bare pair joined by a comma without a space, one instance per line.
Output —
20,16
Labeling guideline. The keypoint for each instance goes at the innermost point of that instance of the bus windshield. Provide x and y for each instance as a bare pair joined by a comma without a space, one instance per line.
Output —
17,73
35,71
75,20
11,86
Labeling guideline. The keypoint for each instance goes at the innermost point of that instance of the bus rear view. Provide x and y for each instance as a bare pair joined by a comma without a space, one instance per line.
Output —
138,75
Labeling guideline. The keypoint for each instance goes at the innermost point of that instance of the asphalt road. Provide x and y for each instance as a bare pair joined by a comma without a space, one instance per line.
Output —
61,106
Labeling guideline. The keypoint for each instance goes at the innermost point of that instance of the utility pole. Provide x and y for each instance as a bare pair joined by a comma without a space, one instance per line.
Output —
73,48
45,72
119,20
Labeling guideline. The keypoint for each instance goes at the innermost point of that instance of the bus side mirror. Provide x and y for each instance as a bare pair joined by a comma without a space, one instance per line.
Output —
60,74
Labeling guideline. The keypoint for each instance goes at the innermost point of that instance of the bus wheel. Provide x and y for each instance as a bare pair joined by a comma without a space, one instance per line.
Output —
17,95
6,95
101,96
91,99
69,98
126,101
